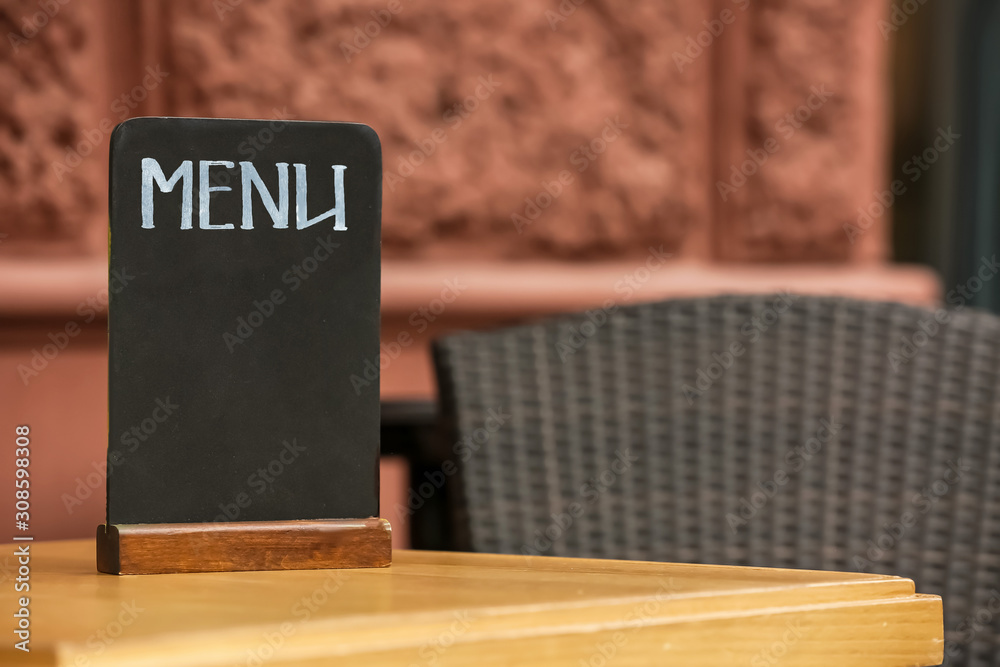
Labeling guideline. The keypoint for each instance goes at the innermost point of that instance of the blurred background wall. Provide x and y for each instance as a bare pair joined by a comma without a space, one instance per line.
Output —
539,158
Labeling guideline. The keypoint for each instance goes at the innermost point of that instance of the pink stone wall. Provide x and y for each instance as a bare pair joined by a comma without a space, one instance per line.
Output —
53,76
480,106
510,130
802,114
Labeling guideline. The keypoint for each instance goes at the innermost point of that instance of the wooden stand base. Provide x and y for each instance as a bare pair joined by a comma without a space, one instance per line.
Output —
166,548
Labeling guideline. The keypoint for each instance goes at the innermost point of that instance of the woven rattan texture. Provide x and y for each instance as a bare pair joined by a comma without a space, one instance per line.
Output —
777,430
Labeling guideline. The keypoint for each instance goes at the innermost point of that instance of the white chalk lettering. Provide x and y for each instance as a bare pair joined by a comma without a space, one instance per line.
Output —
153,177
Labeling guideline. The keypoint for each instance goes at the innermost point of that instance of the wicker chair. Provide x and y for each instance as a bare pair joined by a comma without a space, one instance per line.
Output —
781,431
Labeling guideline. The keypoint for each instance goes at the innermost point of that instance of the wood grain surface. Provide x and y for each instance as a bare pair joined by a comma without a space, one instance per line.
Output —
472,609
172,548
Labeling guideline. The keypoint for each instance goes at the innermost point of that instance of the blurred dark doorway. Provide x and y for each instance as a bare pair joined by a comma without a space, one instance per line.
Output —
946,77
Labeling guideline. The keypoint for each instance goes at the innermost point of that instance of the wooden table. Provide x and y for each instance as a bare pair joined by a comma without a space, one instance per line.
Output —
469,609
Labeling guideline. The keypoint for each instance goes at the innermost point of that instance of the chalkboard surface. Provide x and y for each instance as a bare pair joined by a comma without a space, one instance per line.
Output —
244,279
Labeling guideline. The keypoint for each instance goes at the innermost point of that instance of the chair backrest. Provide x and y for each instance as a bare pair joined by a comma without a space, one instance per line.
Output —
780,431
